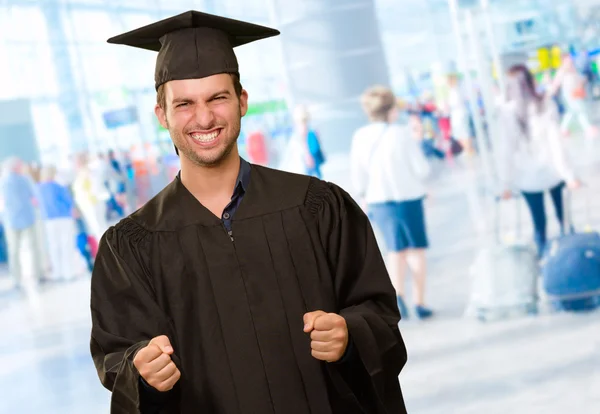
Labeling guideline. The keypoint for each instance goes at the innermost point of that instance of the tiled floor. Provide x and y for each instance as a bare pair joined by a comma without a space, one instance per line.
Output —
548,364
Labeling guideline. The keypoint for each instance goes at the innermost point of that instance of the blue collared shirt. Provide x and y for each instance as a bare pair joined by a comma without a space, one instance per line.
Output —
241,186
17,191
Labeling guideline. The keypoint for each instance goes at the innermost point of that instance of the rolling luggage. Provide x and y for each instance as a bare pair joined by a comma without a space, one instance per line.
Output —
571,267
505,276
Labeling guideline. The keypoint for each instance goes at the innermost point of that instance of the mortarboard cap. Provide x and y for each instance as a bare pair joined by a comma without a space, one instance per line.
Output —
193,45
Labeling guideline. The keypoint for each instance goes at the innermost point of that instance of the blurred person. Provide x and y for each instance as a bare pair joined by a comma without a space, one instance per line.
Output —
128,165
131,190
427,141
117,171
19,218
309,142
57,208
307,320
141,172
90,194
429,115
532,159
32,171
102,168
388,173
293,157
459,115
114,162
257,148
120,176
548,87
87,245
573,86
115,183
3,248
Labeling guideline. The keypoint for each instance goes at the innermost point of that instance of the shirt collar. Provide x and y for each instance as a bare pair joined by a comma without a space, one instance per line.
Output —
243,178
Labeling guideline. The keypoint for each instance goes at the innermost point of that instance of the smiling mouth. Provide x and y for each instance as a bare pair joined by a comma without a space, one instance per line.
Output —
205,138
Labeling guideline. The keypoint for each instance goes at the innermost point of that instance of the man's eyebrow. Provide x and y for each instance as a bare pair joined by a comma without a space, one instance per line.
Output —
211,97
182,100
223,92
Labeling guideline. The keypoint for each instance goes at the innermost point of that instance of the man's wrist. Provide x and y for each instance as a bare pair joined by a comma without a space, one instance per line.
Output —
147,386
348,353
150,396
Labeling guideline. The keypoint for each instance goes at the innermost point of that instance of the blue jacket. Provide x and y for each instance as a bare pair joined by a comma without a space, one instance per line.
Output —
56,201
18,193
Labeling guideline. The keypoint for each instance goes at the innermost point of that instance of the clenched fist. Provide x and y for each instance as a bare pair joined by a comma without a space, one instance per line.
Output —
328,334
155,365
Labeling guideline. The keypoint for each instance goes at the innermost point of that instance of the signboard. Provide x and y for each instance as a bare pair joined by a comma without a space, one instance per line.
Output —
120,117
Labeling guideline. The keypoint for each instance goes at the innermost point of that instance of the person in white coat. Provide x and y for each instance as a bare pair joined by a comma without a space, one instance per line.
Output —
531,155
91,195
459,114
388,173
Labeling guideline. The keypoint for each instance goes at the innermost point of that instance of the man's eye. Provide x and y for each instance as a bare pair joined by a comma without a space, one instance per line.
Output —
181,104
218,98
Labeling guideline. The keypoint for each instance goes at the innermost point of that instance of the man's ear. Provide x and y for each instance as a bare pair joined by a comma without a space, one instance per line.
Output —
244,102
161,115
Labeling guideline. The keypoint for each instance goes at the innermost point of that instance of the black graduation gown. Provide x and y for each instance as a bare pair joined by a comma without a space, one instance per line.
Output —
234,310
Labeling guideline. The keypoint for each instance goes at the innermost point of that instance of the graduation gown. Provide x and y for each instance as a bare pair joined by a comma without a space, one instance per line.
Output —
233,310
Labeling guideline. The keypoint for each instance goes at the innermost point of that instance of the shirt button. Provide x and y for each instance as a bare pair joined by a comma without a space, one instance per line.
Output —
226,216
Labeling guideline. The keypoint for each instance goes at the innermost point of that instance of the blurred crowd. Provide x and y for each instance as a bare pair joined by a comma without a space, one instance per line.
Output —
448,119
59,212
391,164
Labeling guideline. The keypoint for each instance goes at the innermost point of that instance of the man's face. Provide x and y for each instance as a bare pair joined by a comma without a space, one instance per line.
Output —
203,117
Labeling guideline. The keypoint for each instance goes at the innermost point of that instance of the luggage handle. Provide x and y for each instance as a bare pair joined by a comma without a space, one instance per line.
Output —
567,204
498,201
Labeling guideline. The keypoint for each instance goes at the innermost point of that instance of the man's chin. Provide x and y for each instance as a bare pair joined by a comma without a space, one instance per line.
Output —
207,160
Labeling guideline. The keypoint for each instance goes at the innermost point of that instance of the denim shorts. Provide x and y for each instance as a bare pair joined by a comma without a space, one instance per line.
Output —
402,224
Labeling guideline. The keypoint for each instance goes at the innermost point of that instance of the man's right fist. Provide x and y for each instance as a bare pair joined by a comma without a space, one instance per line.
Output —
154,364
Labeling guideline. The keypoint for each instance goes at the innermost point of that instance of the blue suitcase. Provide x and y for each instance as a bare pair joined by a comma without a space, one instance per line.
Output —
571,272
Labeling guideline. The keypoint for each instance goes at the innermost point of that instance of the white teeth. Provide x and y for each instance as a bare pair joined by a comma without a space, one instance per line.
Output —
205,137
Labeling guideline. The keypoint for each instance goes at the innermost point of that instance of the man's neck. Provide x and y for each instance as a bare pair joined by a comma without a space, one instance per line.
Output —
211,182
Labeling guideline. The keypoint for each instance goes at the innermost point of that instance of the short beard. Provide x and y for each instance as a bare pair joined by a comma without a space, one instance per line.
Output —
205,162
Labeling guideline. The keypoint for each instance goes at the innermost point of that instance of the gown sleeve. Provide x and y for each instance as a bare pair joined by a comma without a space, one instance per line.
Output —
125,317
367,301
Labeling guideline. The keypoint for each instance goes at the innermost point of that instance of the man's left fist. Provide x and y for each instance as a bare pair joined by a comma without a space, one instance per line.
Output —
328,334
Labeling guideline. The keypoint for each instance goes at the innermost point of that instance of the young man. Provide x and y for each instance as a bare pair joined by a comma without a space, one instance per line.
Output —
238,289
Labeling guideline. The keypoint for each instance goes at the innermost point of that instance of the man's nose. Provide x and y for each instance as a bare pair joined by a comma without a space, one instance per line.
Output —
205,116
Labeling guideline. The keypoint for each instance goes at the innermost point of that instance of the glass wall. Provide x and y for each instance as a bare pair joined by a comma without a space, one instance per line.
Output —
88,95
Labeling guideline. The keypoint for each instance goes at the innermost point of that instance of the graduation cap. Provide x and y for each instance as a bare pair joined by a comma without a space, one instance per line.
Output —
193,45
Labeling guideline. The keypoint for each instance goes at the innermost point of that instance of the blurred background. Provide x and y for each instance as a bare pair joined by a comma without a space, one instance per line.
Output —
81,148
